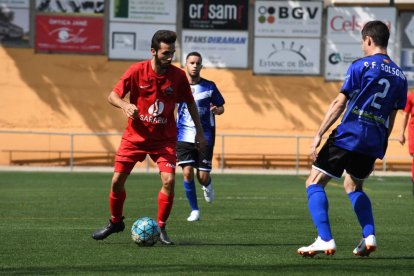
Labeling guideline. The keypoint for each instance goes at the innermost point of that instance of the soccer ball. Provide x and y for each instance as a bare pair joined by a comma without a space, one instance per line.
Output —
145,232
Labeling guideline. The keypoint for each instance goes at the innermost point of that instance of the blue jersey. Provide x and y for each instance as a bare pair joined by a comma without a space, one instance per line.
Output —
205,94
374,87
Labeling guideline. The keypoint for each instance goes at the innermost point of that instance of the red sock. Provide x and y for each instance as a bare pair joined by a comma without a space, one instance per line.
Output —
116,205
165,204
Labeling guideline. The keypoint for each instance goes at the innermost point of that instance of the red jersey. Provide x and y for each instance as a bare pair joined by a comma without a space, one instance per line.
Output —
409,108
155,97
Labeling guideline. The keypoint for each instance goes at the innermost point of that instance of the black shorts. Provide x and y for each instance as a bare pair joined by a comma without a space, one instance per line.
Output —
333,161
188,155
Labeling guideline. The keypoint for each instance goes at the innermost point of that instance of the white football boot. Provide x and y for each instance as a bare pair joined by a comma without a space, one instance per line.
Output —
319,246
366,246
208,193
194,215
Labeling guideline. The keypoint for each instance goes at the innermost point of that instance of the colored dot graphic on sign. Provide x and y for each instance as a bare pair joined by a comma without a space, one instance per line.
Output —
266,15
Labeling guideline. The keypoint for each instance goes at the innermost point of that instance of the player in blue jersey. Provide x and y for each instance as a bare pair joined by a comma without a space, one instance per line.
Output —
373,91
209,102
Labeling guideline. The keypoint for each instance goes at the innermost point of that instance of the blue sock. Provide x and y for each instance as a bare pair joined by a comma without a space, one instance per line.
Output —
191,194
318,207
363,210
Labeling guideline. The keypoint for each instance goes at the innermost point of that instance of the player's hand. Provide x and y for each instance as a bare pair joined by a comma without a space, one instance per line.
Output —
131,111
401,139
313,148
216,110
200,141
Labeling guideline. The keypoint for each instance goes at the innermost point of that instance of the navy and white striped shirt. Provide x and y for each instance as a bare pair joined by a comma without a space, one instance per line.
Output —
205,94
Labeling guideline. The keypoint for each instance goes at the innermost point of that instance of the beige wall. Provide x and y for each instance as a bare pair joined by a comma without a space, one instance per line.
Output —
67,93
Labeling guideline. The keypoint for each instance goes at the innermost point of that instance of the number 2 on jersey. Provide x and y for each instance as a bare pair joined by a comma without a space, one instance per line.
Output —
382,94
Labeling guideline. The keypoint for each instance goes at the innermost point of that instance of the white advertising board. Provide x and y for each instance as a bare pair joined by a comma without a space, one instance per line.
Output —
221,49
286,56
132,40
288,18
343,33
344,24
144,11
338,57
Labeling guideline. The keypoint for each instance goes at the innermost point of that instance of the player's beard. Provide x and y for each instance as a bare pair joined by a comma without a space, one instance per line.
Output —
160,64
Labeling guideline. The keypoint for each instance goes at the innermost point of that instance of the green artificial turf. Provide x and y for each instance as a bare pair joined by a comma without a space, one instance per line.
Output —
254,227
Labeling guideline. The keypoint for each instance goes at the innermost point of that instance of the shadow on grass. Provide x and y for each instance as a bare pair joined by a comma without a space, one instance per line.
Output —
319,268
272,219
234,244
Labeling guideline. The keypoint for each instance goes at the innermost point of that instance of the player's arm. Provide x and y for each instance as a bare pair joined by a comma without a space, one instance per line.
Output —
130,110
217,101
401,137
200,139
335,110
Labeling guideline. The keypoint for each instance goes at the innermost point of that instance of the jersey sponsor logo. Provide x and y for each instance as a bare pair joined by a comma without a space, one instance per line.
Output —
154,110
368,115
152,119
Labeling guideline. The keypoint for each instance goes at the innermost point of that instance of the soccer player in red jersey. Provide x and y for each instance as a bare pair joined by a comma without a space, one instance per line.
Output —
154,87
409,111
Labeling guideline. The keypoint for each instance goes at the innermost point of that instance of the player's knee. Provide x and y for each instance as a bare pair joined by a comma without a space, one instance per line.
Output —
188,173
168,182
168,187
118,182
204,179
352,184
188,176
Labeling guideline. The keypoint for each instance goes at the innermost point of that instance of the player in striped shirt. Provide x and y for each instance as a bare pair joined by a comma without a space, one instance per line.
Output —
209,102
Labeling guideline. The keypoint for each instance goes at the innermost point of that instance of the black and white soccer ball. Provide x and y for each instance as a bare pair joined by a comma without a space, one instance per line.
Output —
145,231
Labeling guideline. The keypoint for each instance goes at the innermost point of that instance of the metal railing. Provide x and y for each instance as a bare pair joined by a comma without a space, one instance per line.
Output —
71,135
296,138
292,144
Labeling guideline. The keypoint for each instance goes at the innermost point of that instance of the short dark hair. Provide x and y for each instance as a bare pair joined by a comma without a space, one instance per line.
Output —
165,36
378,31
196,54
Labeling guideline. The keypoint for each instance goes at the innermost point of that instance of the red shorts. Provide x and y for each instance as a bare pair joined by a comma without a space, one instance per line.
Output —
129,154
